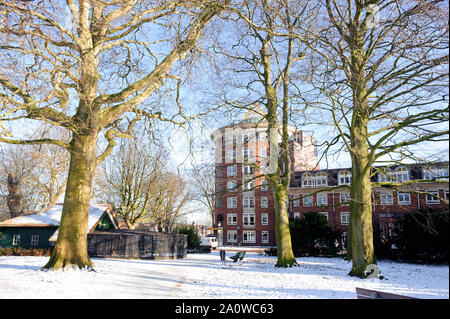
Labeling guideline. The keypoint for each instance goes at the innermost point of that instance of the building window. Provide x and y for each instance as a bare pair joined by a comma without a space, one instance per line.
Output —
432,197
325,214
308,180
264,186
248,170
231,170
231,186
248,201
231,202
321,180
344,178
296,202
318,180
249,219
231,236
249,154
249,185
265,219
344,199
249,237
322,199
404,198
296,215
34,240
232,219
437,172
386,198
16,240
446,194
265,237
307,201
399,175
345,218
264,202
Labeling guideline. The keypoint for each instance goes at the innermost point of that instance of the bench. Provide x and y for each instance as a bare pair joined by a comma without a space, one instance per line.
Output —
239,256
373,294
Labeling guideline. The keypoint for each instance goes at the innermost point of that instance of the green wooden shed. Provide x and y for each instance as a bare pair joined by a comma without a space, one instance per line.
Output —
40,230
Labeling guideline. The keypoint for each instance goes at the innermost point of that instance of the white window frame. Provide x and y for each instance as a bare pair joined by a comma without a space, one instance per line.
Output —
308,201
264,219
264,202
34,240
249,185
344,178
430,199
344,198
400,174
249,236
264,237
264,186
231,202
322,199
248,201
345,218
386,198
248,219
248,170
401,198
232,219
231,186
231,236
232,170
16,240
307,180
321,179
435,172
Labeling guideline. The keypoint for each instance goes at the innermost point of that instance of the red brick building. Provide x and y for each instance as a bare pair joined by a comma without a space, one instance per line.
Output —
426,186
244,202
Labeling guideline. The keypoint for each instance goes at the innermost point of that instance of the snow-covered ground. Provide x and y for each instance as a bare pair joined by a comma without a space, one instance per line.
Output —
204,276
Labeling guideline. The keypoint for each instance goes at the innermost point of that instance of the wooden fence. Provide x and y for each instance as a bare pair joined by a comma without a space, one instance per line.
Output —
137,244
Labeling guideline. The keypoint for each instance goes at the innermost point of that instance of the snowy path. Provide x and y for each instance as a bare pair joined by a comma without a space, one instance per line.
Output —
203,276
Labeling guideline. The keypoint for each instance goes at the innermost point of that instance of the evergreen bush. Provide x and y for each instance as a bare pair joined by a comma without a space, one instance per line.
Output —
313,236
422,236
193,237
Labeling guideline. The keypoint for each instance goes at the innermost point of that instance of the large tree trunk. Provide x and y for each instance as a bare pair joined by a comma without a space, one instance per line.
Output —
361,229
71,245
282,232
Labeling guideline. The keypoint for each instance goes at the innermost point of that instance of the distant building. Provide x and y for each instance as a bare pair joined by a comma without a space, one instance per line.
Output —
244,202
245,212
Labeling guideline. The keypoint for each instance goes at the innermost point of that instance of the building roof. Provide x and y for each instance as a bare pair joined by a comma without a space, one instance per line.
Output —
52,217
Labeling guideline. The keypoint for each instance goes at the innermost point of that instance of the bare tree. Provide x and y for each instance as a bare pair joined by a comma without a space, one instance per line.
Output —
169,201
132,174
84,65
33,177
204,191
264,55
383,76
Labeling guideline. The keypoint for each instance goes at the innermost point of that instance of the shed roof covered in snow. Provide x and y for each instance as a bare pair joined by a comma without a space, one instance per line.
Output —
52,217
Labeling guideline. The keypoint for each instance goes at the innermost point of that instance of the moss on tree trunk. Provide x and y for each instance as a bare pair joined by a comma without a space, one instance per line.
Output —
71,245
361,229
282,232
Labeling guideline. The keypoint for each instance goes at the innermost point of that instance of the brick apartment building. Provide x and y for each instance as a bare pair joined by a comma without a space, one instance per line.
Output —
244,203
